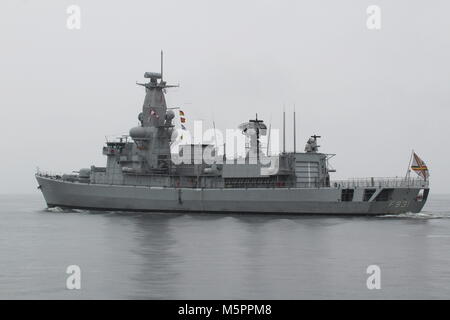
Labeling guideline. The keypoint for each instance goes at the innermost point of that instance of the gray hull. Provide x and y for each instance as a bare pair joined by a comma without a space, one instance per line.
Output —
59,193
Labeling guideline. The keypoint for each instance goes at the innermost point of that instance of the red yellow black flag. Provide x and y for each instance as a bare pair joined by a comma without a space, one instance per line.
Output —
419,167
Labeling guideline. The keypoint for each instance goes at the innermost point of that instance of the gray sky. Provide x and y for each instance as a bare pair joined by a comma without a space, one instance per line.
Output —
372,95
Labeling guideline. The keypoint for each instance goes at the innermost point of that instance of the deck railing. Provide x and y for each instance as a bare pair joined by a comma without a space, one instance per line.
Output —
341,184
49,174
381,182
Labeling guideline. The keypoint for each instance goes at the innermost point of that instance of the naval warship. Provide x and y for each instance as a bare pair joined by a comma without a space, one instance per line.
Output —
143,174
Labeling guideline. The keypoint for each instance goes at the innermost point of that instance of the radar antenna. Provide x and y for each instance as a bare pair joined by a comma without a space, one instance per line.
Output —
155,76
311,144
254,128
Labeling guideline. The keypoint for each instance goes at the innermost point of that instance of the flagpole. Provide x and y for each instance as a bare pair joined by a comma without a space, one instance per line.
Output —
215,137
268,135
284,130
408,171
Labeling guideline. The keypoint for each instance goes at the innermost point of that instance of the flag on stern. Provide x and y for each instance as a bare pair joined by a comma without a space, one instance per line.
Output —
419,167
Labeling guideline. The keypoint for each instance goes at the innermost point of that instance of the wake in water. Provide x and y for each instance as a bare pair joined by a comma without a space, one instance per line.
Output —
102,212
65,210
420,215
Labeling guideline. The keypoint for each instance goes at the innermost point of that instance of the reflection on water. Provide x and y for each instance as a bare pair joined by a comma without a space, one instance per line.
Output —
156,271
190,256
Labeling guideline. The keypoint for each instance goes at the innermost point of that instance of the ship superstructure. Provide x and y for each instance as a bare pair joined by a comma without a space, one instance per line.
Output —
141,174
